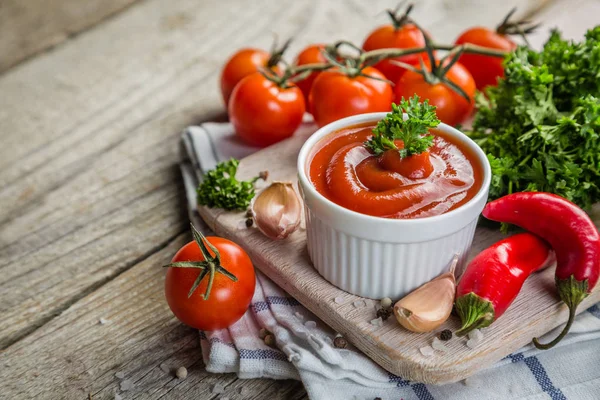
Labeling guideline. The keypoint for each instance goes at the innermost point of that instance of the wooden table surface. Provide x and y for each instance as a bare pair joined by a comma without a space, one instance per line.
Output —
93,95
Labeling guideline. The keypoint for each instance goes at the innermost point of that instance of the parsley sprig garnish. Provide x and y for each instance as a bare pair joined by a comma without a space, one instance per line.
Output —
221,189
412,130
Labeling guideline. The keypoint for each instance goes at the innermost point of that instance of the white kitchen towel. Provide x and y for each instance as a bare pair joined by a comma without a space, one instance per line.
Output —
304,344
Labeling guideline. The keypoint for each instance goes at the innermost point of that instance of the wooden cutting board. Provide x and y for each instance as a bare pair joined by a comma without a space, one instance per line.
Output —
535,311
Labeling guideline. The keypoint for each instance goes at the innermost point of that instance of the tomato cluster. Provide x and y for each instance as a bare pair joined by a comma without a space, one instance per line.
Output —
266,103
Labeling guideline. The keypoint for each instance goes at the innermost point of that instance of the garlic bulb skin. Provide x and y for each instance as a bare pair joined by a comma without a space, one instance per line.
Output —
277,210
429,306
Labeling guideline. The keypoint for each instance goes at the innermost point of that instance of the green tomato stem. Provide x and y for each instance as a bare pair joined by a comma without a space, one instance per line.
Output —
210,266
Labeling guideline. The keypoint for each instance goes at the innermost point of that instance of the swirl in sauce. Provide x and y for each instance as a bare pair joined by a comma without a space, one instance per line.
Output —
424,185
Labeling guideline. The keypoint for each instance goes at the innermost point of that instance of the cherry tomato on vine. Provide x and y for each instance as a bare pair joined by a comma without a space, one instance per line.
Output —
452,108
401,34
264,112
240,65
229,295
310,55
335,95
486,70
246,62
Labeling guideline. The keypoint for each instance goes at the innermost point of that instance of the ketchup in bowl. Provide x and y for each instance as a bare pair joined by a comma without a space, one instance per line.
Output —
431,183
390,199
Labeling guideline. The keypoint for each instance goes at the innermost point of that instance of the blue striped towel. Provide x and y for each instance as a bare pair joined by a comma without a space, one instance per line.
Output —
305,348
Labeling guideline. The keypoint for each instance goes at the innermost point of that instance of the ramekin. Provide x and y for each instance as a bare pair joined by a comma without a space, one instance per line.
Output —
379,257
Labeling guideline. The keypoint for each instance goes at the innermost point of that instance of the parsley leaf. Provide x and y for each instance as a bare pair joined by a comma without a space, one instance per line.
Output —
220,188
540,127
413,131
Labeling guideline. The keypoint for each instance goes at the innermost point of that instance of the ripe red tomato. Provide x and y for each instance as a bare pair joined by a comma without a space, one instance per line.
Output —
485,69
240,65
452,108
228,300
335,95
264,113
310,55
408,36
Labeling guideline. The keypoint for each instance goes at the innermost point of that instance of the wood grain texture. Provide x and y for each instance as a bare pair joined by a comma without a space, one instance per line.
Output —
89,182
75,354
536,310
89,186
29,27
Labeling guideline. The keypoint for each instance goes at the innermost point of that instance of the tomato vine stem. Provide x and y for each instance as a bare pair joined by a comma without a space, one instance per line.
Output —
521,27
399,20
277,52
210,266
353,65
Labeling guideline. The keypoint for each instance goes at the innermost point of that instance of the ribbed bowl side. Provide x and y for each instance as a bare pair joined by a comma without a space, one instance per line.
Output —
375,269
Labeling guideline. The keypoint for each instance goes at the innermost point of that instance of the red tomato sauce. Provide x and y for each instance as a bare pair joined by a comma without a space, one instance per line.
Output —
432,183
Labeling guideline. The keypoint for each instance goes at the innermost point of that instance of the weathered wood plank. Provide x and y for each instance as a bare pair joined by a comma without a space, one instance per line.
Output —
88,181
75,355
89,175
85,233
89,151
29,27
118,74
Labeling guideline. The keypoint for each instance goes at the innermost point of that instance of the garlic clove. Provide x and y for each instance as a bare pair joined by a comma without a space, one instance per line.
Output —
277,210
429,306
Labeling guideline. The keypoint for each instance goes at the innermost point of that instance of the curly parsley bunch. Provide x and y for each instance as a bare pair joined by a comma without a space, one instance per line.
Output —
412,130
221,189
540,126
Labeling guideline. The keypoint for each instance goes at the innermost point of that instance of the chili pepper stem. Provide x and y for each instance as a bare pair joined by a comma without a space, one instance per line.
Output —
572,292
474,311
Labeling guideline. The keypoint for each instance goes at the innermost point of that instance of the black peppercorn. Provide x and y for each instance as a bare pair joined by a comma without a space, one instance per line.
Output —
384,313
445,335
249,222
340,343
269,340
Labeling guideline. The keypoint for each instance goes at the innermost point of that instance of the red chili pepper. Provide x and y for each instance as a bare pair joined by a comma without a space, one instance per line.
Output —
494,278
570,232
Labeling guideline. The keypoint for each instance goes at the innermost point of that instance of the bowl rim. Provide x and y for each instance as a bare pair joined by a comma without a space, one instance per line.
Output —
310,143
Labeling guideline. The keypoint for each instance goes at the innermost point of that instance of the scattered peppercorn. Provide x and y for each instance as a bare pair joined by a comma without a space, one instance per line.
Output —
263,333
340,342
181,373
445,335
264,175
377,398
249,213
270,340
249,222
386,302
384,313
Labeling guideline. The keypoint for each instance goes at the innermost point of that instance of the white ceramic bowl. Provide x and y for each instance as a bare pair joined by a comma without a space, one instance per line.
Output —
382,257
